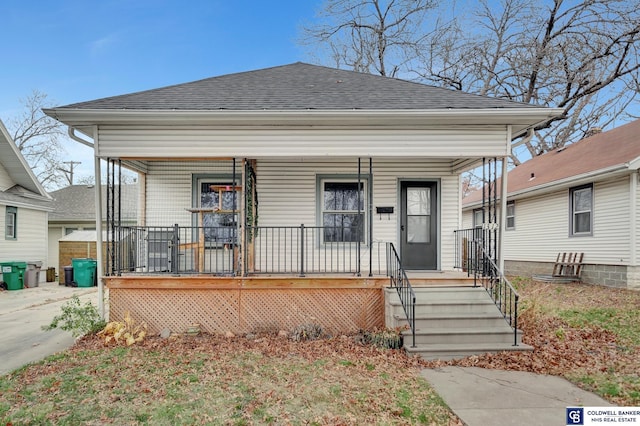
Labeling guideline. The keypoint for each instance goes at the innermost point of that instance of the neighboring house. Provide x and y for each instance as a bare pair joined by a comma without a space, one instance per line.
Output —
24,205
272,197
74,209
581,198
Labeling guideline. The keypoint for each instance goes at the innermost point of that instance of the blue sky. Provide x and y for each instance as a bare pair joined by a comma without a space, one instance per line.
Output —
77,50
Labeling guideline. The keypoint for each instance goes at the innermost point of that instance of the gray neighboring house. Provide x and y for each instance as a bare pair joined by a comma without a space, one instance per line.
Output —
74,209
24,205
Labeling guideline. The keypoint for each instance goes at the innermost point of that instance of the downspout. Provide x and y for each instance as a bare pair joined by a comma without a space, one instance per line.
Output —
98,207
71,131
99,242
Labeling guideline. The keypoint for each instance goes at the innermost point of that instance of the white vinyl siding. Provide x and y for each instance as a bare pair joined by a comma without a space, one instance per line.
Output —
210,142
289,186
287,194
31,243
543,226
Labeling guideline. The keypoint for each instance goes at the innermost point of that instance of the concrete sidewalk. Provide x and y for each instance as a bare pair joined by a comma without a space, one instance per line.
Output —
482,397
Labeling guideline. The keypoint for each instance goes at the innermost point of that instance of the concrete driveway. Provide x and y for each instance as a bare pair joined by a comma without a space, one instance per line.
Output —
24,312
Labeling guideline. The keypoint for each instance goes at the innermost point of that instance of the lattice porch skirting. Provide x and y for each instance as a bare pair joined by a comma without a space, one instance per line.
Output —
245,310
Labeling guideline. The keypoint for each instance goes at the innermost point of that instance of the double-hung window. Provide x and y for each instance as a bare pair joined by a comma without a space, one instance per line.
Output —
581,207
11,223
342,210
511,215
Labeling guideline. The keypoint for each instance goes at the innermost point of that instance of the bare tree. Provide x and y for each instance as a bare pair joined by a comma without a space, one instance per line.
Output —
581,56
37,136
373,36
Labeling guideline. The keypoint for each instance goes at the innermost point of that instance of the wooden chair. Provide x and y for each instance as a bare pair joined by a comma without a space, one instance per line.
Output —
568,265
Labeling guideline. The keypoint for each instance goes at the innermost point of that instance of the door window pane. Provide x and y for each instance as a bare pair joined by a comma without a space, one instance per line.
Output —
418,201
418,229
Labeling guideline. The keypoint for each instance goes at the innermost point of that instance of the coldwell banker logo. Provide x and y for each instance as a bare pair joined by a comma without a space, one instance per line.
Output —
575,416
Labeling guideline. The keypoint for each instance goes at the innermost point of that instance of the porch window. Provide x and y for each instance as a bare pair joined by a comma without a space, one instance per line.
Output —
581,206
342,220
220,227
11,223
511,215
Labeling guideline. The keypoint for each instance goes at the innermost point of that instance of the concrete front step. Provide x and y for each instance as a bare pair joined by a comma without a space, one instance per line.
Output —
459,350
453,320
500,334
448,307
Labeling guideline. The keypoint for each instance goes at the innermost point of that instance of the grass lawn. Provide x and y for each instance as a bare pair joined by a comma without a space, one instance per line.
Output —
587,334
216,380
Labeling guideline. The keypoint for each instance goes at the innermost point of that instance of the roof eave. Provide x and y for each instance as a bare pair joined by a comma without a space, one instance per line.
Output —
520,118
556,185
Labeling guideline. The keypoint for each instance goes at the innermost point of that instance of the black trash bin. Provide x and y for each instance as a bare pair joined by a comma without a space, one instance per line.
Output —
68,275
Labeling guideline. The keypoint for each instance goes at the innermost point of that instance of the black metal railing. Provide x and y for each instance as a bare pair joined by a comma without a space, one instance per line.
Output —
400,282
299,250
305,250
464,247
174,249
487,274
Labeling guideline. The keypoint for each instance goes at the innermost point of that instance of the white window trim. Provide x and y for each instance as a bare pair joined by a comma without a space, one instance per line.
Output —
321,210
573,212
513,216
11,213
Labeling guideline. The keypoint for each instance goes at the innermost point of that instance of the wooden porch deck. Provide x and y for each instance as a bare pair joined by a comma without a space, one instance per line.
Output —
340,304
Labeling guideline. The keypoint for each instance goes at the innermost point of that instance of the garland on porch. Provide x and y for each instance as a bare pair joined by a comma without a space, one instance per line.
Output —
252,203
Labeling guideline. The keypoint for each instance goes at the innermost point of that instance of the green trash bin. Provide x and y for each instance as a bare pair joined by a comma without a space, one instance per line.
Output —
13,274
84,272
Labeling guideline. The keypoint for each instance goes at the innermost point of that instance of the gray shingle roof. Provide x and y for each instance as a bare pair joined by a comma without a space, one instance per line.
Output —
77,203
298,86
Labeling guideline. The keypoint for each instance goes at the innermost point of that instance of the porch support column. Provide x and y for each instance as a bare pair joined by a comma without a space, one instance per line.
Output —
358,233
99,242
503,214
370,217
242,222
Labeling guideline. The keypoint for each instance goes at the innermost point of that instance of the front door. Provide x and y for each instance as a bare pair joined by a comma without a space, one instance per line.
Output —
418,225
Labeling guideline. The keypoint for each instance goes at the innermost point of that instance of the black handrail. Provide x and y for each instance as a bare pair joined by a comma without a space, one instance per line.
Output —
301,250
486,273
399,280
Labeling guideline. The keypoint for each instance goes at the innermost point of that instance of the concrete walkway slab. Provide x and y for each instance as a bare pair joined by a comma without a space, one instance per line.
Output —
481,397
22,315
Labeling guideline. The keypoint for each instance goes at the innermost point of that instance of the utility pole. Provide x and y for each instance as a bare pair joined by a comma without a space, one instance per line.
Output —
69,173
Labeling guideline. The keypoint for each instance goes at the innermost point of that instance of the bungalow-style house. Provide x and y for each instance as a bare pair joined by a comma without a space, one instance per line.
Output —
24,205
74,209
283,196
582,198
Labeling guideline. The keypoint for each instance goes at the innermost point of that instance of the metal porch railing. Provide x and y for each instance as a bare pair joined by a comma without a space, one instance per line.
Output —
298,250
400,282
487,274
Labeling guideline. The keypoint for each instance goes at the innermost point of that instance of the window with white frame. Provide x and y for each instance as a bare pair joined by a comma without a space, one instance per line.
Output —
342,210
581,200
511,215
478,218
11,223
